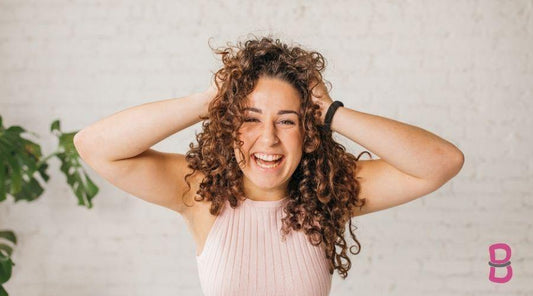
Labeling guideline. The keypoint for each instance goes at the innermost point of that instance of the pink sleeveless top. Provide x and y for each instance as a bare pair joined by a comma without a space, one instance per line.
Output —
244,255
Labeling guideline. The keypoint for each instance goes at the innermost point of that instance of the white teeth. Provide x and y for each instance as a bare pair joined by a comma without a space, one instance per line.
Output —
267,156
269,166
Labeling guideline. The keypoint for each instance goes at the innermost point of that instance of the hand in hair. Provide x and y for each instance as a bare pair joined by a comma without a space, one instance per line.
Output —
320,96
213,88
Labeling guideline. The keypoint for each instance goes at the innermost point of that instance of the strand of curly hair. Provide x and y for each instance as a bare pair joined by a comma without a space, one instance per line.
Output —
323,191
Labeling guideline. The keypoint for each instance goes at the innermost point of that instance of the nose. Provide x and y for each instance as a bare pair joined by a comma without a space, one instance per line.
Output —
269,134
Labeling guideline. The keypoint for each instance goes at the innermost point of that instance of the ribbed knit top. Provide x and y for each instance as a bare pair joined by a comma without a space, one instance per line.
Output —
244,255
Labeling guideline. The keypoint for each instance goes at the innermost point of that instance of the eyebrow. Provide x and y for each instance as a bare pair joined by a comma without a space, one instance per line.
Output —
280,112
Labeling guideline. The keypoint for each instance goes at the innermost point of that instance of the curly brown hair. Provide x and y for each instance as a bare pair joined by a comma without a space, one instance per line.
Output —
322,190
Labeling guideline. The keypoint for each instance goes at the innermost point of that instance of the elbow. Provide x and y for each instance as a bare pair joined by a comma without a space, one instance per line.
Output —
459,160
76,139
453,164
78,144
449,164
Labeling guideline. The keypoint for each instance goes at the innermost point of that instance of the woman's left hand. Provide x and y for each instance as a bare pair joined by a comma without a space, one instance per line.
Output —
320,96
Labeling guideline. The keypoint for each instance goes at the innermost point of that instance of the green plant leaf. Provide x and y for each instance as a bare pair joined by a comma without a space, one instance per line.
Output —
77,178
9,235
16,175
3,170
3,292
91,188
30,191
5,268
15,129
19,161
42,171
7,249
56,125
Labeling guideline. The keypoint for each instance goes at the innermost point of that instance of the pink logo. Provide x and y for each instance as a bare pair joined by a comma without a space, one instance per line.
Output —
500,263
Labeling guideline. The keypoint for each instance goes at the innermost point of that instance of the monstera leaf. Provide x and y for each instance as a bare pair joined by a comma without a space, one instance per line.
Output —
5,258
20,162
77,178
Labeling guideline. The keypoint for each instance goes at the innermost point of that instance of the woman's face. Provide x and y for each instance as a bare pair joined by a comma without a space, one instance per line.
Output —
271,127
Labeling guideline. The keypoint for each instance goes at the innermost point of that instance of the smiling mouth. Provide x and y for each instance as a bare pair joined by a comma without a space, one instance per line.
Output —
267,164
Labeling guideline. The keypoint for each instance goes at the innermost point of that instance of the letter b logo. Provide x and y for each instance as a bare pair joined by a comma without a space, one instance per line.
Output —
500,263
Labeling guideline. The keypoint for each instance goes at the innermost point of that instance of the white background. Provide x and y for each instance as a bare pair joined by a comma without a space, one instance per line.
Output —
460,69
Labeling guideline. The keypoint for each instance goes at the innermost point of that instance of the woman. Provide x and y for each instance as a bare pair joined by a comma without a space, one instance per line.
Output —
266,164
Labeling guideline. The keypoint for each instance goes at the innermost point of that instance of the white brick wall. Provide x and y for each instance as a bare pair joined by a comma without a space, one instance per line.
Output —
461,69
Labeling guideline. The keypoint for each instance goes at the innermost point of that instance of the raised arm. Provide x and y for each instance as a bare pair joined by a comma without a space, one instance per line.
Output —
413,162
118,148
132,131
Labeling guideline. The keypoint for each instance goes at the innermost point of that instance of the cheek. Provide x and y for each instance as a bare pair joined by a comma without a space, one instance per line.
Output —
293,140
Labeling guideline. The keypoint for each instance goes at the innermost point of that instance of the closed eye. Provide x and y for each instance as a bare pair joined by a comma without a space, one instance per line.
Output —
289,122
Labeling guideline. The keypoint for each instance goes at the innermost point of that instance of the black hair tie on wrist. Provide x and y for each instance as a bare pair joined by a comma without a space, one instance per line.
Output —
331,111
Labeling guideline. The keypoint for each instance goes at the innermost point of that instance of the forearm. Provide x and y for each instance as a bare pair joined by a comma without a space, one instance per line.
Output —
408,148
132,131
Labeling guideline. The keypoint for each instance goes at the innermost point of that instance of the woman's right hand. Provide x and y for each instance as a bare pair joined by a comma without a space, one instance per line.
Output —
212,91
209,94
